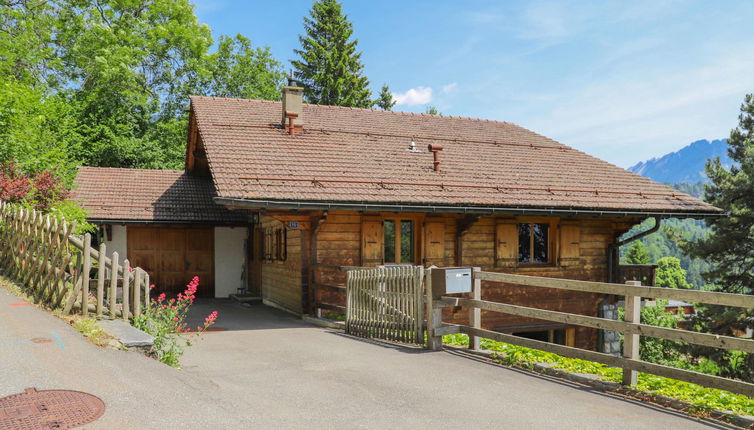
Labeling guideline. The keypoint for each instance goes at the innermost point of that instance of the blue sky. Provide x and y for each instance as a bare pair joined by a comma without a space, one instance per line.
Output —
624,81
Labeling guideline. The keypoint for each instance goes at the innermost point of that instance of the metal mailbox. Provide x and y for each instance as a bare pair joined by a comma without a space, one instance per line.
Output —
451,280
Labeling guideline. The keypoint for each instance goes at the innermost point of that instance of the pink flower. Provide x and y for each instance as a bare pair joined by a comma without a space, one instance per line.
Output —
161,297
211,318
151,287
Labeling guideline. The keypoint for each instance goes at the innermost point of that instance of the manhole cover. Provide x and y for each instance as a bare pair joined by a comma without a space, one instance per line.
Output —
49,409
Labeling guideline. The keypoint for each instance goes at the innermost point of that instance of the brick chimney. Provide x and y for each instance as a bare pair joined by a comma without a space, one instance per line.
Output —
293,103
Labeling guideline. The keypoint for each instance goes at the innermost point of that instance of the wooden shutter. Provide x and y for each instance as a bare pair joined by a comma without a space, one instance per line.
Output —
570,236
434,243
506,244
371,243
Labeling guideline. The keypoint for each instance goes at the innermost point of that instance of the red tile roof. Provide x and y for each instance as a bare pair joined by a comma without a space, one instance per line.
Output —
170,196
360,156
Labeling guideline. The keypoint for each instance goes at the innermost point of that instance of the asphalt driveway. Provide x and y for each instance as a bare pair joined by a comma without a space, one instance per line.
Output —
275,369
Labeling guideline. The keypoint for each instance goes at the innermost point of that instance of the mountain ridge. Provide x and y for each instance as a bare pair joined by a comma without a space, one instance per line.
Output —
685,165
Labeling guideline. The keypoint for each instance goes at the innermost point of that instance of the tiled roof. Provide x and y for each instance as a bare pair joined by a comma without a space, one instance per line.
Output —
170,196
360,156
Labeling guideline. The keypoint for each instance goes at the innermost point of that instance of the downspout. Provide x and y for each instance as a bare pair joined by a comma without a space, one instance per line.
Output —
613,256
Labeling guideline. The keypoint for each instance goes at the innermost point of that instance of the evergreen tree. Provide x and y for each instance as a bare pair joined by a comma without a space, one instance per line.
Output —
670,274
637,254
385,100
330,67
730,246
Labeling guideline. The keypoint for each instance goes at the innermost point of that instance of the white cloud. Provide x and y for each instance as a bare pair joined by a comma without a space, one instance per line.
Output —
449,88
414,96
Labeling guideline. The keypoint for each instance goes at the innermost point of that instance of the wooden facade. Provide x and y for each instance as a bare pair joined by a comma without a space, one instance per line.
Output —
318,243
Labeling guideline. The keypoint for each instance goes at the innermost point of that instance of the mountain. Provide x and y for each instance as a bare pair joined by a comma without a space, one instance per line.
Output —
685,165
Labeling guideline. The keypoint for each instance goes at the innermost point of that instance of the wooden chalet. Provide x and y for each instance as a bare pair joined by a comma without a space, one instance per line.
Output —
303,191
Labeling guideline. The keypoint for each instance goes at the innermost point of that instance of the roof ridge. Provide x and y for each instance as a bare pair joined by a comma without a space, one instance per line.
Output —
129,169
459,117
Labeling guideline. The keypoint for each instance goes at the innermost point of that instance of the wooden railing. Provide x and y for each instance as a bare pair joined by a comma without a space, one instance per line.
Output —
63,271
632,327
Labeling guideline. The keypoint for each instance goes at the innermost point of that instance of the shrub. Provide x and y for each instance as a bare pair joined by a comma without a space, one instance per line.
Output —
164,319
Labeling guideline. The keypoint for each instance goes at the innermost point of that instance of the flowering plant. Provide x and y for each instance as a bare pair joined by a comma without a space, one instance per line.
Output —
165,320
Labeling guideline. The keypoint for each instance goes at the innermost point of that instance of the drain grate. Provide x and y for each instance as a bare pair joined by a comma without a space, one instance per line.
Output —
49,409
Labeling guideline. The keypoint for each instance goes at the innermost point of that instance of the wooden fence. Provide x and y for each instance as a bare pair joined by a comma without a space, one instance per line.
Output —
63,271
632,327
386,303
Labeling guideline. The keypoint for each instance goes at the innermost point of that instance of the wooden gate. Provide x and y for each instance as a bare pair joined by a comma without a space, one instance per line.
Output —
386,303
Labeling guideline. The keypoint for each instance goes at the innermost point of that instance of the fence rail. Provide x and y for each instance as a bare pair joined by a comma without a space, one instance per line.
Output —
631,327
63,271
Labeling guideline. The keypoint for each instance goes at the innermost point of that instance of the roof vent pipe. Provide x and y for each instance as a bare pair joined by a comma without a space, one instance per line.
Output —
435,149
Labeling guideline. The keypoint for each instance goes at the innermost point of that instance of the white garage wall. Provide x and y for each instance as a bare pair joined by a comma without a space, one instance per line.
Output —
118,242
229,259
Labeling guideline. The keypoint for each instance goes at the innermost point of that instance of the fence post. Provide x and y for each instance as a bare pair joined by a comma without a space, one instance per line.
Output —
475,314
630,340
434,316
126,289
85,274
113,295
101,279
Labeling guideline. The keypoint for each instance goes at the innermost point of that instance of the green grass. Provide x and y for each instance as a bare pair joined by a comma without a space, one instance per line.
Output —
90,328
703,399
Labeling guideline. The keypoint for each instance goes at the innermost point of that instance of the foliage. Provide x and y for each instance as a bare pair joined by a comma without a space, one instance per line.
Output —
106,83
730,246
668,242
670,274
236,69
385,100
38,131
40,191
91,330
637,254
695,189
432,110
164,319
704,399
329,67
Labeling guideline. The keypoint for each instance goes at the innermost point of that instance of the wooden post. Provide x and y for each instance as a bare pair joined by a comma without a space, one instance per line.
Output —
136,302
147,289
126,290
434,316
101,279
85,274
475,314
113,295
631,341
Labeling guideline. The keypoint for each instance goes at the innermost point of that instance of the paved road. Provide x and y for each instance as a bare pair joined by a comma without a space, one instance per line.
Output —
271,365
139,393
270,370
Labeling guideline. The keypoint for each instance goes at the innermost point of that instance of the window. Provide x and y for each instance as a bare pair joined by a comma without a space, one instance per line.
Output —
534,243
275,244
399,241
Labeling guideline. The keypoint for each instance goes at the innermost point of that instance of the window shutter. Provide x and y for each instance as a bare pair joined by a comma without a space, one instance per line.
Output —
506,245
371,243
434,243
569,242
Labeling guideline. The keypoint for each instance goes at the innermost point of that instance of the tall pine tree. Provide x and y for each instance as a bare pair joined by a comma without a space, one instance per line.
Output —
730,247
330,67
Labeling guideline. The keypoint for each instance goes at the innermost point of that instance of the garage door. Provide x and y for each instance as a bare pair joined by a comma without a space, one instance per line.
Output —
173,256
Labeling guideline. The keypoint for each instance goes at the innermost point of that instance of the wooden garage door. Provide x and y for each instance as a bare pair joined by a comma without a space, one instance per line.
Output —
172,256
